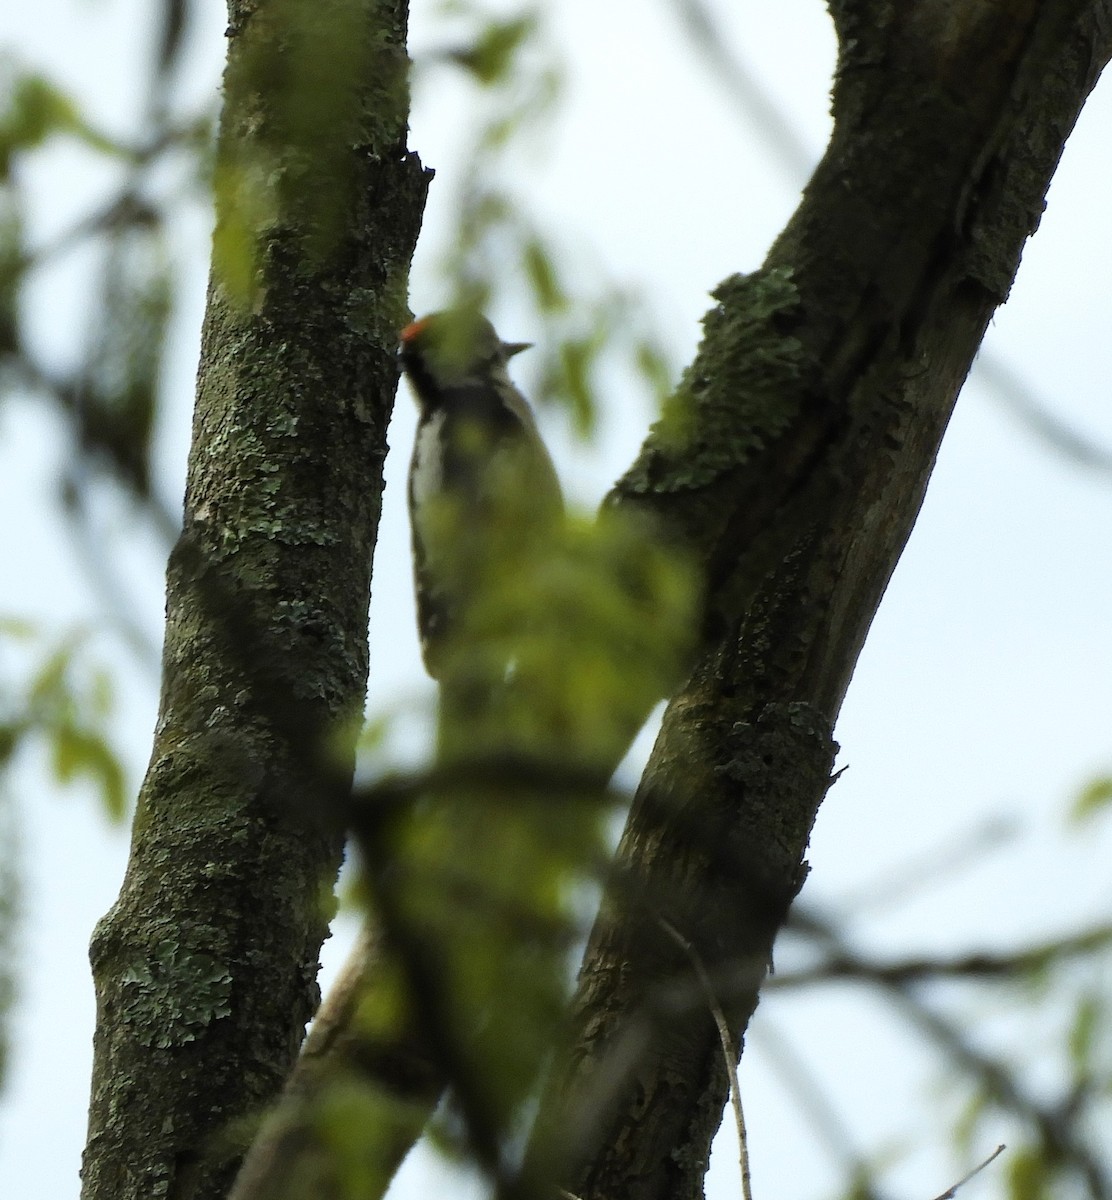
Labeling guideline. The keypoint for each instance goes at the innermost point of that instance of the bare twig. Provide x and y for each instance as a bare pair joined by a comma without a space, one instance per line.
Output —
846,964
502,776
729,1050
1059,1134
952,1191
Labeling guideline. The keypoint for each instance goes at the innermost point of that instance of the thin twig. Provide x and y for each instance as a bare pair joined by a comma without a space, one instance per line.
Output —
952,1191
501,775
1061,1138
980,966
729,1052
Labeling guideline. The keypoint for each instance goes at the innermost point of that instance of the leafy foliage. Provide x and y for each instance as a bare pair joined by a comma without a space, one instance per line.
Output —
477,879
64,707
61,704
33,109
497,251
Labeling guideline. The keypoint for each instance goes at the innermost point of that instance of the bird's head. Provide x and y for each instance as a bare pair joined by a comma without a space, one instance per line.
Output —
453,349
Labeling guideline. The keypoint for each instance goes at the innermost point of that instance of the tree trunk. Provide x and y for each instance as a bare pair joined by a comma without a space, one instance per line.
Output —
205,968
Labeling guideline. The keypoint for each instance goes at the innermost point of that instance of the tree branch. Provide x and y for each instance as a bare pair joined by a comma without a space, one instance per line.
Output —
980,967
810,423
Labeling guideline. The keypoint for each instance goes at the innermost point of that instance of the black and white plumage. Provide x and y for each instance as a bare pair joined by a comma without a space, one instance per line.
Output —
482,488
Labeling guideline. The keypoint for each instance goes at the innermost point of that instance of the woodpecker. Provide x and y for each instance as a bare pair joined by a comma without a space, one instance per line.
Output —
483,493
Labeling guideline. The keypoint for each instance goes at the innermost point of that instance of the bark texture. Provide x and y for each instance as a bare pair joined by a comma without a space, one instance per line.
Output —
812,417
205,968
354,1104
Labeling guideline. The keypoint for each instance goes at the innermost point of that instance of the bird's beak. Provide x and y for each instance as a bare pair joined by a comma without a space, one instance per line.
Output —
509,349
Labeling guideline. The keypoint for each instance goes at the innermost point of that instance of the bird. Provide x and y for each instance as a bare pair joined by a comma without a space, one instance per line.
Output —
484,495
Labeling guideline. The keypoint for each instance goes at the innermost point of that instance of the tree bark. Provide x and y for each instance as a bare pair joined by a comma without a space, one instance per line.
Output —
812,416
384,1089
205,967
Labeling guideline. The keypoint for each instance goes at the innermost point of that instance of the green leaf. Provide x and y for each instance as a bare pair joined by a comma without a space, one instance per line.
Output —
79,752
355,1123
335,90
969,1121
1028,1176
18,627
578,357
67,703
654,368
540,270
374,733
37,110
1093,799
10,733
490,58
48,689
12,266
574,628
1083,1033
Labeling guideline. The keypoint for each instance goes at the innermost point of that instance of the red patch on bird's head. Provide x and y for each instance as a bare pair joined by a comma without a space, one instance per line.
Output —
413,331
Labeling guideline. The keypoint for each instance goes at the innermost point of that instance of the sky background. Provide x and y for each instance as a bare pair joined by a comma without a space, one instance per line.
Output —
983,695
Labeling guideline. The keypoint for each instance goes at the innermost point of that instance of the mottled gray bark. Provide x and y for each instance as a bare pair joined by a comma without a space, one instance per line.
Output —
205,967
